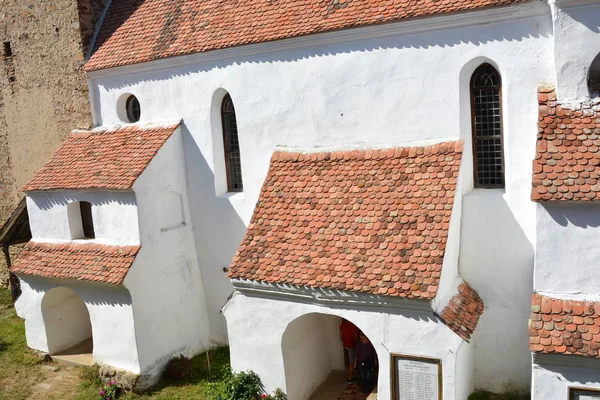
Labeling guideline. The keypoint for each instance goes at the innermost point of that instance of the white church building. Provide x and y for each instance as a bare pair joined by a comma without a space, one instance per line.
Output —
259,170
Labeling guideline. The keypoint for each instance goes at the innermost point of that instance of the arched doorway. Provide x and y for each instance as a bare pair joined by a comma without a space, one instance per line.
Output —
67,322
313,357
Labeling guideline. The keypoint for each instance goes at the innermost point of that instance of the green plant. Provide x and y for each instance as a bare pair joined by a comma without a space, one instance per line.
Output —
480,395
236,386
278,395
179,368
109,391
90,376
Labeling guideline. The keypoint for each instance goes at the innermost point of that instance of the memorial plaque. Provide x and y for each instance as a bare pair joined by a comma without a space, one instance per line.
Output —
416,378
584,394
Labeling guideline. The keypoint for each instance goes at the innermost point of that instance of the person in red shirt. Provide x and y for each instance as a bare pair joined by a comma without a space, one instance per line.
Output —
348,335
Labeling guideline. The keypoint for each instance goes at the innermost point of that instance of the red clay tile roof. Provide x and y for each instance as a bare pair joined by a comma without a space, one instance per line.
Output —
564,326
462,312
78,261
567,163
136,31
371,221
101,159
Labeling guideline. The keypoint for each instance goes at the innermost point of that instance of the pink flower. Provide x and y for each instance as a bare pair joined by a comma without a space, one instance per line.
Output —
102,392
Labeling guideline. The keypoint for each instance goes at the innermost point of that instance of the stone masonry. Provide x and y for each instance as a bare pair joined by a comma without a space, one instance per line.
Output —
43,90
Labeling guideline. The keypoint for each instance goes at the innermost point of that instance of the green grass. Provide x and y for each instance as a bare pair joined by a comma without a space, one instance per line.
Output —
196,387
20,369
509,393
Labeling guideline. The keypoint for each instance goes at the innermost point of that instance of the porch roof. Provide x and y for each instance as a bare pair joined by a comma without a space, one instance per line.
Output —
371,221
110,159
76,261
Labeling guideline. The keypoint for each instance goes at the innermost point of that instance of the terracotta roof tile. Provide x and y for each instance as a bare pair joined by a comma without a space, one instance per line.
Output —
136,31
78,261
462,312
101,159
567,162
369,221
564,326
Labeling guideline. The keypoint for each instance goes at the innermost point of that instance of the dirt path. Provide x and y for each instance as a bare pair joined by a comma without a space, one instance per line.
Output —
58,385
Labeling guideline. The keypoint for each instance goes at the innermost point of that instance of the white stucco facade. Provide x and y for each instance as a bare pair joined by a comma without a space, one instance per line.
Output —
110,313
372,86
280,334
376,86
566,255
159,311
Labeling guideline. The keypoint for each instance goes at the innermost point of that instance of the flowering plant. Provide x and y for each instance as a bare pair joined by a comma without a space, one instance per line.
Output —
110,391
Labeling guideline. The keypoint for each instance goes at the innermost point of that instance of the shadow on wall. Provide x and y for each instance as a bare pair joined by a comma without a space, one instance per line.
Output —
96,295
467,35
584,17
581,214
497,258
215,218
49,201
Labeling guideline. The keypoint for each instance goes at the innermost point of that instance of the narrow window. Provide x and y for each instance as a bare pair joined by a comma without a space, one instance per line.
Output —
231,144
134,111
594,77
87,223
486,111
7,49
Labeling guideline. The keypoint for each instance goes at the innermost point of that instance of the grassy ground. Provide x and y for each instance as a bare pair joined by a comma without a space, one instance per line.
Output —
21,371
19,368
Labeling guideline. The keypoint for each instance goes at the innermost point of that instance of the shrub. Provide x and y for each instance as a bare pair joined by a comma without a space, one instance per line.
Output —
110,391
240,386
179,368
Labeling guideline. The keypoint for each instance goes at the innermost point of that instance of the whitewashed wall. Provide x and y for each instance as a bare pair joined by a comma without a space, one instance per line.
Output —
110,312
577,43
553,375
377,86
567,252
66,319
311,349
257,326
114,214
165,282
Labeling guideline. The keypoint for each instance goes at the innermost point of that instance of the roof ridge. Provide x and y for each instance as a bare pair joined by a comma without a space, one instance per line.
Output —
455,146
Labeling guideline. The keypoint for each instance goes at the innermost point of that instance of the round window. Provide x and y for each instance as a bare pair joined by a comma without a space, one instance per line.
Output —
133,109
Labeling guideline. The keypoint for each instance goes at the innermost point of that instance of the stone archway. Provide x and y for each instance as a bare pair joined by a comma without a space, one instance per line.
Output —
313,356
67,322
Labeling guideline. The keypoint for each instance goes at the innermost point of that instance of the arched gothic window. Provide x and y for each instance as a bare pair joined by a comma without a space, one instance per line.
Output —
486,112
231,145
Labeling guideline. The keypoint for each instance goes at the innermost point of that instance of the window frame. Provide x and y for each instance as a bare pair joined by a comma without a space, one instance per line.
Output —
130,111
227,153
87,220
474,135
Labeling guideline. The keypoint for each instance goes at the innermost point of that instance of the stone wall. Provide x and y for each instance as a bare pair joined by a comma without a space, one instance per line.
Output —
43,90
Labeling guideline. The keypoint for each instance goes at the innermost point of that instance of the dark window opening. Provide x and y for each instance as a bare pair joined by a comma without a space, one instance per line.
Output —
134,111
7,50
594,77
87,222
486,113
233,163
